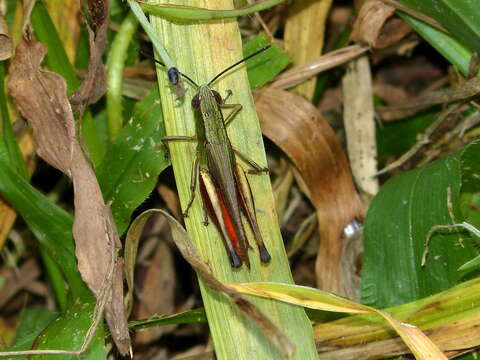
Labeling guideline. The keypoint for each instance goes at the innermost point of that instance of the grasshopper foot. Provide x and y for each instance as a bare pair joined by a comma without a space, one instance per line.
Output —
167,154
258,171
229,93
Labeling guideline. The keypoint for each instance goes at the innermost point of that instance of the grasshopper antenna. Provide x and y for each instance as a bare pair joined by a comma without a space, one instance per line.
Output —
238,63
170,74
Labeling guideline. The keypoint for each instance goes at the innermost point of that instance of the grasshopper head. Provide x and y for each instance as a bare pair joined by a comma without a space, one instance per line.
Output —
197,99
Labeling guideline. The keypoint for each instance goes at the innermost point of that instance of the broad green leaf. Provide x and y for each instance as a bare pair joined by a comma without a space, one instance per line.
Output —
460,17
68,332
133,161
51,225
45,330
398,222
266,65
29,326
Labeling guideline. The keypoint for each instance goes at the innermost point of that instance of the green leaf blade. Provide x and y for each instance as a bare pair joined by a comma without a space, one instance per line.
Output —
265,66
397,225
134,160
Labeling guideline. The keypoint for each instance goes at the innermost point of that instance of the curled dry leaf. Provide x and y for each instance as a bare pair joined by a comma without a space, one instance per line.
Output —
41,98
299,129
375,27
328,61
156,292
94,84
6,45
418,343
450,319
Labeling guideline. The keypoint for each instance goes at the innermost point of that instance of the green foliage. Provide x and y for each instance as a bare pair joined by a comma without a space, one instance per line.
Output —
266,65
398,222
134,160
397,137
460,17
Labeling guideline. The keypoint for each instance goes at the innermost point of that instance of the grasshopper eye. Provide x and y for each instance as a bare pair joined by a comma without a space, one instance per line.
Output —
196,101
217,96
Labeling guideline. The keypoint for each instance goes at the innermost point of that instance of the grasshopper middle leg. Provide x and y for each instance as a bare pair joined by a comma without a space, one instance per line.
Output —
255,168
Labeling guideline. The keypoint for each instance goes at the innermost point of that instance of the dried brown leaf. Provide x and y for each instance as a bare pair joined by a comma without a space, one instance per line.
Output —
359,119
304,35
156,293
6,45
41,98
18,280
309,69
375,28
467,90
94,84
299,129
171,199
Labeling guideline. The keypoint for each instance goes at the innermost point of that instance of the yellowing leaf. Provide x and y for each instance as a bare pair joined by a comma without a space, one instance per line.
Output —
419,344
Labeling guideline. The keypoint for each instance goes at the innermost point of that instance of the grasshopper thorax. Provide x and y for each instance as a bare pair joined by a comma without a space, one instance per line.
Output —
197,99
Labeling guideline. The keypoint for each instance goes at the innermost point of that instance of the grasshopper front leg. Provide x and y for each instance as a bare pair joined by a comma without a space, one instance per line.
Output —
236,109
165,140
193,183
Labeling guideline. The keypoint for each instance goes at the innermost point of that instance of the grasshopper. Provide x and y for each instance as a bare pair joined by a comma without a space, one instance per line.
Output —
223,185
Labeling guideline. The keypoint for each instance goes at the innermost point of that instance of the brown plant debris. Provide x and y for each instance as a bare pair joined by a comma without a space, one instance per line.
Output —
464,92
299,129
94,84
6,45
41,98
375,27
